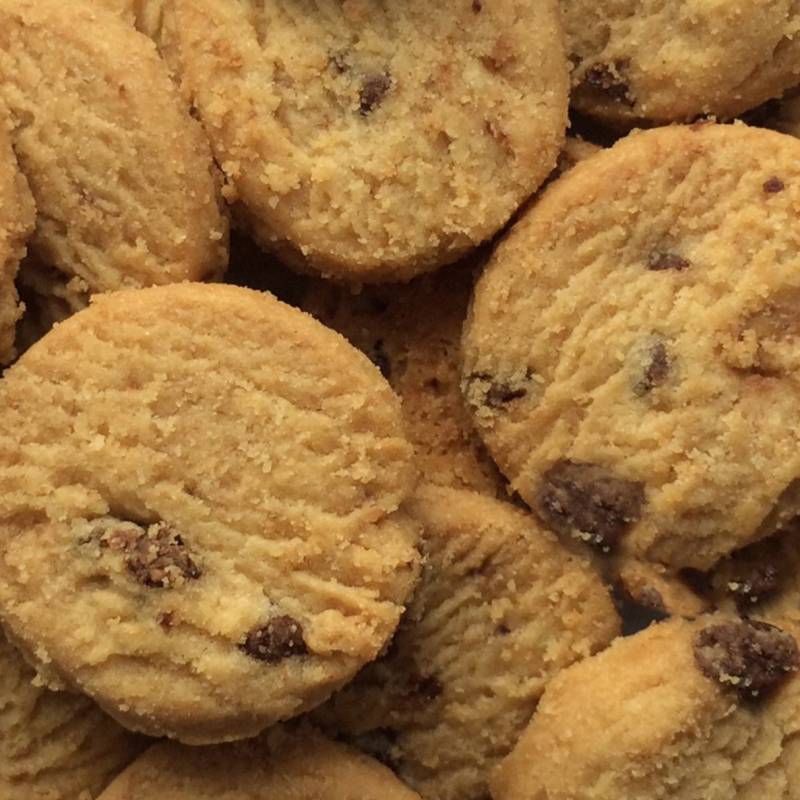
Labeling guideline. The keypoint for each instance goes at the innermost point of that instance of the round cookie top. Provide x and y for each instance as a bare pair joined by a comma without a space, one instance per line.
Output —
122,175
54,745
500,609
284,764
375,141
631,353
668,713
17,214
650,60
204,482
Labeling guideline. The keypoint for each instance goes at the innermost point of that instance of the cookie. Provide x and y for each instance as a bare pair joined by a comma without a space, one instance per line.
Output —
373,142
630,352
413,335
205,483
668,713
54,746
121,174
501,608
284,764
665,62
16,224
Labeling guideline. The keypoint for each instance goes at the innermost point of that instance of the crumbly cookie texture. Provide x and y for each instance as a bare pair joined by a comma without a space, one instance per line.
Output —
413,335
373,142
501,608
121,174
54,745
664,62
631,349
204,482
668,714
17,214
294,763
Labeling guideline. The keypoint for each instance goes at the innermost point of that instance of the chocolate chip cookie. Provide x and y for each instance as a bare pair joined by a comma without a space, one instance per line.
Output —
632,346
16,224
375,141
54,745
284,764
204,482
501,608
121,174
412,333
663,62
704,710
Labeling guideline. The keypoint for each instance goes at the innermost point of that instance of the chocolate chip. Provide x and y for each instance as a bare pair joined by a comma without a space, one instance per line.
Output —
166,619
477,6
607,79
281,637
380,358
486,390
656,369
589,502
373,91
157,557
428,687
659,261
774,185
502,630
751,657
754,582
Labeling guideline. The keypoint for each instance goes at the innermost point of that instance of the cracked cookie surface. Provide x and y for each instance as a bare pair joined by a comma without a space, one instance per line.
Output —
649,60
668,714
501,608
204,482
375,141
631,352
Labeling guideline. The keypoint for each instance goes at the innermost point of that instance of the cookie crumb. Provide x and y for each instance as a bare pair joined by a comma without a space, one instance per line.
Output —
749,656
589,502
373,91
280,638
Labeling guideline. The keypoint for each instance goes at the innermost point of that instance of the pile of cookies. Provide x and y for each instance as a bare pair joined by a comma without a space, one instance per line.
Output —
367,433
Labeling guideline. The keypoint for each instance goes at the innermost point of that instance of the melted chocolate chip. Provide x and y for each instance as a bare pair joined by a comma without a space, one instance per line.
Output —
477,6
751,657
656,369
156,557
658,261
589,502
280,638
380,358
502,630
754,582
774,185
607,79
373,91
